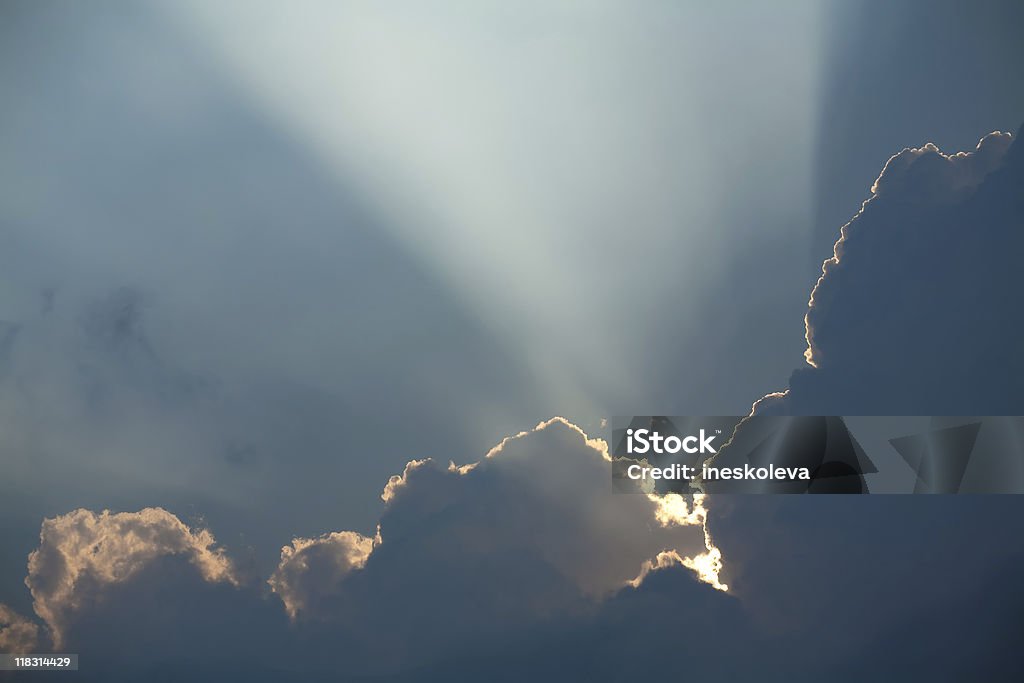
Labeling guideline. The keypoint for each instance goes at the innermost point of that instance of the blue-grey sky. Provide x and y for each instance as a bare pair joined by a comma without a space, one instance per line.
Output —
255,257
285,251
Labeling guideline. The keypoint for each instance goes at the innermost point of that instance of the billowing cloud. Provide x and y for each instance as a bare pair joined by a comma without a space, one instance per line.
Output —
83,553
913,314
312,568
528,534
925,174
531,536
17,634
549,490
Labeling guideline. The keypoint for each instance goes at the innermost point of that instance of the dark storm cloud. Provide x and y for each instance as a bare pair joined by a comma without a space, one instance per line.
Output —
915,312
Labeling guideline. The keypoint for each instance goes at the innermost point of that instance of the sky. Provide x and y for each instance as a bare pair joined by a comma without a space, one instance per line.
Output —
256,258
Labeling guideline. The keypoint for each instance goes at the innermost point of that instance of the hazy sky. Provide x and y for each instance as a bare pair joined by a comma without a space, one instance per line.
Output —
350,235
256,257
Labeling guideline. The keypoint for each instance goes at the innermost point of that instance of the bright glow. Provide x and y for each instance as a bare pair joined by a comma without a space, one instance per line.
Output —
524,154
672,509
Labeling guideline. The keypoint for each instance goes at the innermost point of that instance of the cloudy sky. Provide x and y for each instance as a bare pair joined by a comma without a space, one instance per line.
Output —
268,269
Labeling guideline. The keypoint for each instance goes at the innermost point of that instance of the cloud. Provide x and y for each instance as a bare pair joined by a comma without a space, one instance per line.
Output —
17,634
83,553
925,174
312,568
529,537
911,315
666,624
528,534
503,565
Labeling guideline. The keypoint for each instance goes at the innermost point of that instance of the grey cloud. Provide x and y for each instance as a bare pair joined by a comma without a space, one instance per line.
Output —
530,537
529,534
494,569
913,313
852,588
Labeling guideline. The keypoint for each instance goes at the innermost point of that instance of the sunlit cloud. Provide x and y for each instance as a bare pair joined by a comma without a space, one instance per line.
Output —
673,509
329,558
18,635
529,533
542,496
81,553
